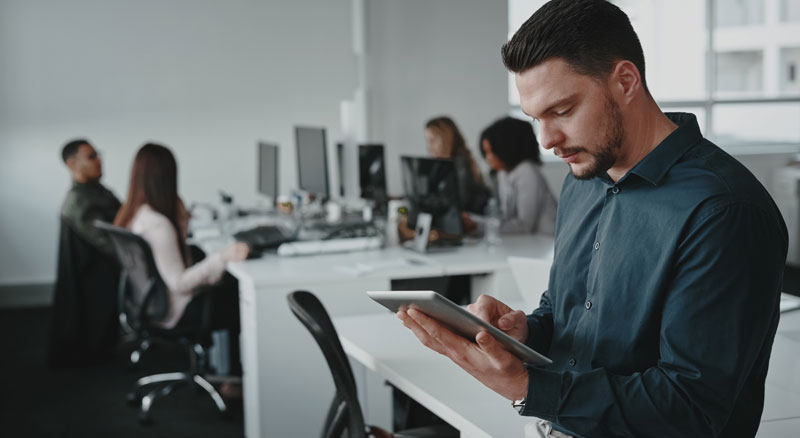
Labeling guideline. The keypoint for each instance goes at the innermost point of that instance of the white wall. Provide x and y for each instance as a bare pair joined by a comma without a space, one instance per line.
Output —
209,79
427,58
206,78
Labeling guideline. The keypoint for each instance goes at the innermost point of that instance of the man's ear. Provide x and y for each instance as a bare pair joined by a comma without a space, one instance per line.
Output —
71,162
625,80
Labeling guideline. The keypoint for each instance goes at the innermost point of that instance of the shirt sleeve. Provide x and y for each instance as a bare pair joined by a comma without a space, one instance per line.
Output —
161,236
720,313
540,326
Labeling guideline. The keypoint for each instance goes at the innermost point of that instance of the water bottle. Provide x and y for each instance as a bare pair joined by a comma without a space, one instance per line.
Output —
492,232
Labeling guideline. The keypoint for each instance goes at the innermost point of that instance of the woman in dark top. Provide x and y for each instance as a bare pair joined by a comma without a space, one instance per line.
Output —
444,140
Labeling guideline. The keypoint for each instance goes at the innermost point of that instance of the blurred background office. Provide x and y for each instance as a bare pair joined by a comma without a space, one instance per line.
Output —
212,79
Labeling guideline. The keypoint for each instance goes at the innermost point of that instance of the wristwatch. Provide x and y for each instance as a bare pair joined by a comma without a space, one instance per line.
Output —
519,405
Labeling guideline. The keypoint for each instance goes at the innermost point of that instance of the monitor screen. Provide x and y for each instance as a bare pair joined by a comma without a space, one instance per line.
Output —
372,172
431,186
340,165
312,160
268,169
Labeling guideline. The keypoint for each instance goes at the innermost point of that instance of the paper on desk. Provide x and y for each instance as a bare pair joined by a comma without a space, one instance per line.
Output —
363,268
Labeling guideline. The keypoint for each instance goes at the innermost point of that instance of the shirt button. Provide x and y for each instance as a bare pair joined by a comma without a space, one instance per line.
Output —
596,246
588,304
572,361
615,190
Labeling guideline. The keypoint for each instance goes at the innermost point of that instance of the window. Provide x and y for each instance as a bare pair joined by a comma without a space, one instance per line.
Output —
733,63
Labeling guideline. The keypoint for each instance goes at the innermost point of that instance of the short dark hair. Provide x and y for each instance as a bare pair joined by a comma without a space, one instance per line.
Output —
590,35
71,148
512,140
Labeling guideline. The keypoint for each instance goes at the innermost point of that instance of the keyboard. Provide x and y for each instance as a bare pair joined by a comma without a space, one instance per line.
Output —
311,247
262,238
346,230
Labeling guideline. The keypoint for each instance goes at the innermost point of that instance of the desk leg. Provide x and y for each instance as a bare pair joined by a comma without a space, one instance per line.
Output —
375,396
249,358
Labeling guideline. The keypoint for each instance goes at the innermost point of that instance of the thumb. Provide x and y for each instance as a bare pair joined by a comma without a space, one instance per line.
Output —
487,342
508,321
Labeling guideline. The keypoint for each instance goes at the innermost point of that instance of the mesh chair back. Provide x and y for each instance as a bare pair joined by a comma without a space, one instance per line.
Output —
345,412
146,296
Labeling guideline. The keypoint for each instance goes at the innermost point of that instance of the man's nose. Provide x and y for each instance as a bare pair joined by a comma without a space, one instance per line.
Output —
549,135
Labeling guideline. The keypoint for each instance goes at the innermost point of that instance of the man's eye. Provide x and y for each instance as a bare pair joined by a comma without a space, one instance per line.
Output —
563,112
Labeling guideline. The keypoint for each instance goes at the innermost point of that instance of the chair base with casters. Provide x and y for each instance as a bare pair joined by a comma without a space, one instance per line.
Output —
150,388
345,418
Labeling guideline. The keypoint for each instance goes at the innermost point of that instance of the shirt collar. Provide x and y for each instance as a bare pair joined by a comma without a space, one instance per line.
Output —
660,160
87,184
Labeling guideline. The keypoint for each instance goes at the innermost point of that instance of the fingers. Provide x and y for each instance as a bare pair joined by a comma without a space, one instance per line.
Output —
511,320
499,357
434,335
424,337
437,331
488,309
482,308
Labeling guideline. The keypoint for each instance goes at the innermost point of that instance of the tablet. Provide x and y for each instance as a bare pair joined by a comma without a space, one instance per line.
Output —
456,318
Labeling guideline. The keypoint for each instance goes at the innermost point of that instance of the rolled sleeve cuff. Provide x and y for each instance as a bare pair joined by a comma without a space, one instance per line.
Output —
544,388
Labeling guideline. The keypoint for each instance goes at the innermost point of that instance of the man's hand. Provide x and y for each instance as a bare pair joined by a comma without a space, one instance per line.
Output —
496,313
469,225
487,360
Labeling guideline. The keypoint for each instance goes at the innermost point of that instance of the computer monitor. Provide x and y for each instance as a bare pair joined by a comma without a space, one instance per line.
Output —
340,167
268,170
312,160
372,172
431,186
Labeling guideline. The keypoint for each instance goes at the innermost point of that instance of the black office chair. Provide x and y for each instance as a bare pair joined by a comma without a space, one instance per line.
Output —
83,327
143,301
345,418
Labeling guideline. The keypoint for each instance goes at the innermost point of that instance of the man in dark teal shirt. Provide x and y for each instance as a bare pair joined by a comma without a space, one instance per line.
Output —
87,199
664,292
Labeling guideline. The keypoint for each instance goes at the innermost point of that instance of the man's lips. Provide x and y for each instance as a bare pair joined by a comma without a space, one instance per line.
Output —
569,157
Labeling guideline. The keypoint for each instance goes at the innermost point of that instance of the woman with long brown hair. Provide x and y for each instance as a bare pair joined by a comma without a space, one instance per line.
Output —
154,211
444,140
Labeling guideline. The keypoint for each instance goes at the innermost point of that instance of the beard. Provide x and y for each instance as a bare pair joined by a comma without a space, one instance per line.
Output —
605,155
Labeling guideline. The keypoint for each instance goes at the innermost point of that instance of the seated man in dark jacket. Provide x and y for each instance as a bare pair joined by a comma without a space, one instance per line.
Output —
87,200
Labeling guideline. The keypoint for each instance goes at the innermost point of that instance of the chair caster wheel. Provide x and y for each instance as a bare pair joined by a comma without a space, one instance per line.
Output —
132,399
145,419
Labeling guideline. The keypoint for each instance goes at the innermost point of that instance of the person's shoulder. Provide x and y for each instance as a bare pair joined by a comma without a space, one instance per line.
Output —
525,168
710,172
78,198
105,189
707,182
146,218
70,202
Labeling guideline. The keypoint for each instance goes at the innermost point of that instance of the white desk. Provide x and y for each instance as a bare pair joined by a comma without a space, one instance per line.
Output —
393,353
287,384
